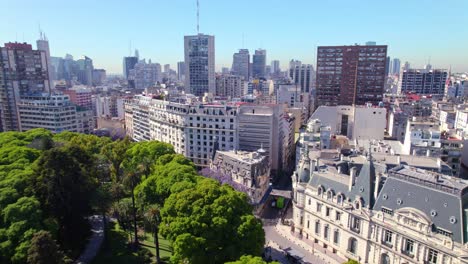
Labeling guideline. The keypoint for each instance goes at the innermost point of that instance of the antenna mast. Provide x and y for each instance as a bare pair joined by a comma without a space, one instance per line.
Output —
198,17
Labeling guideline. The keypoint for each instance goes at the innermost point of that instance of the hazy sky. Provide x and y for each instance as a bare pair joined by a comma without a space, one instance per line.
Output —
414,30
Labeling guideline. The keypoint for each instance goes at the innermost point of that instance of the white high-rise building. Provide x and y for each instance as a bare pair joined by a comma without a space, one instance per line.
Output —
43,44
199,64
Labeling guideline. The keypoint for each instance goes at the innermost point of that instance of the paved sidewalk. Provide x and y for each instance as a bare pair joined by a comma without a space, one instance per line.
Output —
95,241
325,256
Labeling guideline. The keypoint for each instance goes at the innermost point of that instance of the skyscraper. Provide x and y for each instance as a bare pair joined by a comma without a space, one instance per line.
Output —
129,64
167,68
275,66
85,72
180,70
302,75
396,67
241,63
422,81
22,70
259,63
349,75
43,44
199,64
387,66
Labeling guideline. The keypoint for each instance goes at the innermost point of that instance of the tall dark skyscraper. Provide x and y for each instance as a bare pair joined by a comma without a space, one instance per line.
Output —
259,64
180,70
22,70
129,64
199,64
396,66
349,75
241,63
387,66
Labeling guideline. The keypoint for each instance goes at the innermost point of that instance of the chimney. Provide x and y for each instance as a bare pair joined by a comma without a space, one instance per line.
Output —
376,188
428,152
317,165
439,164
339,169
398,160
352,177
312,166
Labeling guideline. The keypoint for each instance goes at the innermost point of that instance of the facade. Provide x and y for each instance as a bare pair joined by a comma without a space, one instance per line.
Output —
191,127
22,70
259,64
275,67
181,70
248,169
129,64
396,65
357,123
199,64
43,44
80,96
85,71
52,112
424,138
99,76
258,127
231,86
348,75
423,81
303,75
241,64
145,75
360,212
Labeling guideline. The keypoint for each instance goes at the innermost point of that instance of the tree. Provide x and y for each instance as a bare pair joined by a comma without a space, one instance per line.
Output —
44,250
115,153
351,261
211,223
248,259
138,163
64,185
153,219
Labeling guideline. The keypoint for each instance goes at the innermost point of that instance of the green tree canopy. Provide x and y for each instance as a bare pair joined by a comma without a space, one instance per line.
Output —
211,223
64,187
248,259
44,250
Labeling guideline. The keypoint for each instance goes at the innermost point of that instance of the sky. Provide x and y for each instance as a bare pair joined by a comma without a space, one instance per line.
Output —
417,31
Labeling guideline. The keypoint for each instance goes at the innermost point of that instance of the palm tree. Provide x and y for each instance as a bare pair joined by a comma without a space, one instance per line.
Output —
153,219
132,178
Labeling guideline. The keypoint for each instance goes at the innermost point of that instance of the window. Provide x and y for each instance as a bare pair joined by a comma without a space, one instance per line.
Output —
356,224
387,239
336,236
329,195
326,232
317,227
308,224
339,199
310,201
432,256
319,190
387,211
352,245
409,247
327,211
319,207
338,216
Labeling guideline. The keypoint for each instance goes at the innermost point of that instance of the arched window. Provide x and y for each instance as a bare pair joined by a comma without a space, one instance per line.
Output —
385,259
339,198
329,194
352,245
320,190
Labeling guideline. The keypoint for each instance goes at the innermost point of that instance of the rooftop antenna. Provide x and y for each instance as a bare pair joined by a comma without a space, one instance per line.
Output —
198,17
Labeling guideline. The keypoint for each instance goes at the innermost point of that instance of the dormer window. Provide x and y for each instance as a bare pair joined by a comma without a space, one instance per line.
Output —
339,198
320,190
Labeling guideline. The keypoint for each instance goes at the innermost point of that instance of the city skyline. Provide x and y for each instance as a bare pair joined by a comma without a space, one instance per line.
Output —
104,32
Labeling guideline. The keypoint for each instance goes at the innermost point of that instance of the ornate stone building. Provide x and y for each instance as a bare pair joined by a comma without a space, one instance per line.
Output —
362,210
